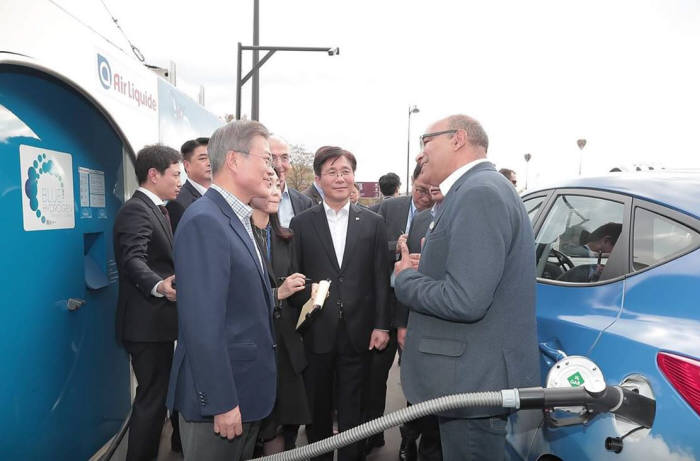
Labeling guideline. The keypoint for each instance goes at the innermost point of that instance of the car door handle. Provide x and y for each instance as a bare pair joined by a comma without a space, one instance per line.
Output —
74,304
551,350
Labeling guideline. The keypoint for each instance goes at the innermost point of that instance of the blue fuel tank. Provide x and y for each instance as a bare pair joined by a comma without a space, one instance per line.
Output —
64,385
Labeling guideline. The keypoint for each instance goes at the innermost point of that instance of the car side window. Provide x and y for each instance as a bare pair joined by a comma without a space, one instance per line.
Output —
533,205
658,239
577,238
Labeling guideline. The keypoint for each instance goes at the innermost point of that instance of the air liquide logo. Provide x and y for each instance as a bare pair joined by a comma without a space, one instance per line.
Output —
121,86
47,183
104,71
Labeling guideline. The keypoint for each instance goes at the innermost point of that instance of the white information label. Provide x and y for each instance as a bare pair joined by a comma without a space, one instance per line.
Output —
97,189
47,189
84,186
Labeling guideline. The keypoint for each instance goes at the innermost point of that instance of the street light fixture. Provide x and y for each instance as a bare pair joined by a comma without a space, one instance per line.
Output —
255,106
581,143
527,157
411,110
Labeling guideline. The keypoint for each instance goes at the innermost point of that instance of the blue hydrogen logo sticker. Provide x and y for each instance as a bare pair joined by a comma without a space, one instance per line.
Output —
104,71
47,183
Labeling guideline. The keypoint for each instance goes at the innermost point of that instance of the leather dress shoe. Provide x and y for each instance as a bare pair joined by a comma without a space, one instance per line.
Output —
374,441
408,450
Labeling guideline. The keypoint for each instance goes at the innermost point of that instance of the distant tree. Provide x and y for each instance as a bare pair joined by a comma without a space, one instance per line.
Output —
229,118
301,174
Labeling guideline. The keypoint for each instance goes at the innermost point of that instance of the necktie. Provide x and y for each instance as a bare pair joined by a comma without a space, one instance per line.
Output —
164,210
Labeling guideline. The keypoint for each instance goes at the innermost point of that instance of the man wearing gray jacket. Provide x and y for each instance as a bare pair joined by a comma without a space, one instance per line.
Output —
471,296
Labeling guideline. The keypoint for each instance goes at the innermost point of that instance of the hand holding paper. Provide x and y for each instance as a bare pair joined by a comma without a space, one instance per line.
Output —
319,293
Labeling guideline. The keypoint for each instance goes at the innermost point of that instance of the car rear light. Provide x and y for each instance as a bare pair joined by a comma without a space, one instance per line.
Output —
684,375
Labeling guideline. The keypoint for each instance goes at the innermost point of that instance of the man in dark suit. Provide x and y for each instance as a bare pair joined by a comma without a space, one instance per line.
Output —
315,193
198,168
223,380
398,214
293,202
146,316
389,185
472,296
346,245
425,428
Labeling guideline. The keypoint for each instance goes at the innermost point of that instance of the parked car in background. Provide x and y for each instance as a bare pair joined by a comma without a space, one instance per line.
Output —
618,270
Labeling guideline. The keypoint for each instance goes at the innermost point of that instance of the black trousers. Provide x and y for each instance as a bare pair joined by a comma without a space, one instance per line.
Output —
428,430
348,369
375,388
151,363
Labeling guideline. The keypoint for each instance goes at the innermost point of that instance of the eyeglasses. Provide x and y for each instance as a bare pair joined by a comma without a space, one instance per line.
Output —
284,158
425,137
338,174
422,191
267,157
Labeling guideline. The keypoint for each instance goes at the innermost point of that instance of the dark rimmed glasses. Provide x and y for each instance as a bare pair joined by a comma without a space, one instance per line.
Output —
427,136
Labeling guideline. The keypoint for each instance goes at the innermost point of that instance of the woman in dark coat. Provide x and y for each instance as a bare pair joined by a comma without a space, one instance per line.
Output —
291,408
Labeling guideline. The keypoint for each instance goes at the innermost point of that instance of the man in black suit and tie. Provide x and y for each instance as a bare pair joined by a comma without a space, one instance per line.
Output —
198,169
146,316
293,202
346,245
398,215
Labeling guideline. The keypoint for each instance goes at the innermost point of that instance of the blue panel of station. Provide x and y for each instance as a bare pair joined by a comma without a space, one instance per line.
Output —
64,384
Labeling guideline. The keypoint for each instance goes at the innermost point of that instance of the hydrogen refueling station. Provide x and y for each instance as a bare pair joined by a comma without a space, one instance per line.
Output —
74,109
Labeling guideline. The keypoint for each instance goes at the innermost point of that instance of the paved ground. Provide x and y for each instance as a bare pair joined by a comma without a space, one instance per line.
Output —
389,452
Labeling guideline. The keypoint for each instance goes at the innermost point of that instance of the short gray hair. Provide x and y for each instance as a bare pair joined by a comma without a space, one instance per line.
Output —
475,132
234,136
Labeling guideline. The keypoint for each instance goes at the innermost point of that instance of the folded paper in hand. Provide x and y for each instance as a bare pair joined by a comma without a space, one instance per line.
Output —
313,306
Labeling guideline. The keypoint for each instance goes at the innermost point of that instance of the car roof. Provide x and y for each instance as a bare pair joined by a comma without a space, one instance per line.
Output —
677,190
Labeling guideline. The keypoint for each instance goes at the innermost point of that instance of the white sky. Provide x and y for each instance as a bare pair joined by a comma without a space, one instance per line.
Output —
538,74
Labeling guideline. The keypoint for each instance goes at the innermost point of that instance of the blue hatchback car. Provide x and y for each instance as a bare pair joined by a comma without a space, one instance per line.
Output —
618,271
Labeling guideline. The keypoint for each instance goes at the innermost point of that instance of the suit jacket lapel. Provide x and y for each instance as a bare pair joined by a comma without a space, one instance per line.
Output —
351,235
293,200
193,190
324,234
160,217
462,179
237,227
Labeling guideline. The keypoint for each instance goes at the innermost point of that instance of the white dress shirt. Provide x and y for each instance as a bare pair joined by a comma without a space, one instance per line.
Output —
285,211
411,212
157,202
200,188
338,225
447,184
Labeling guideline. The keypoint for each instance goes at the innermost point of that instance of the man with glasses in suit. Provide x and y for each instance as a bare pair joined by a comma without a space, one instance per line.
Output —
472,294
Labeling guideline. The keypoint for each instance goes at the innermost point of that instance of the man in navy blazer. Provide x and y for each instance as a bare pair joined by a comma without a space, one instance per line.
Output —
471,325
223,378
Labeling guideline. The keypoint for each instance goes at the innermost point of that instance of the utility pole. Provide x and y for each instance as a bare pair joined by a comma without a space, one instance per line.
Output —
255,99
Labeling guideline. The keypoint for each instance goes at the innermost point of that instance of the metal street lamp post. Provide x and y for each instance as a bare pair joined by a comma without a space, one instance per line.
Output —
257,63
411,110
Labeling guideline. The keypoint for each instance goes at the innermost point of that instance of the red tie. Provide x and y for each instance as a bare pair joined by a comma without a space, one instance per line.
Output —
167,216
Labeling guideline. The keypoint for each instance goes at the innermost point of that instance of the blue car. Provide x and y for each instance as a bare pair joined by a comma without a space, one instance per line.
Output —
618,270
